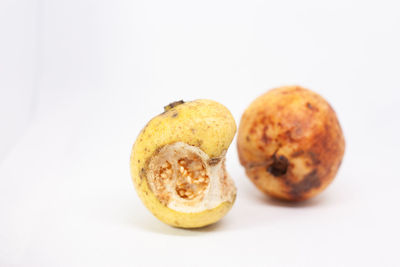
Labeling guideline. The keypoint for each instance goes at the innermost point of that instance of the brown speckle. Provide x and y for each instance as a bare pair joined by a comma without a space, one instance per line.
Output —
157,150
174,115
288,136
250,165
297,153
264,136
260,148
311,107
142,174
214,161
314,158
247,138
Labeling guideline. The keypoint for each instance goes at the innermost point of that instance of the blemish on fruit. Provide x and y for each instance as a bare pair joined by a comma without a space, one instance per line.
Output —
173,104
310,181
264,136
214,161
297,153
314,158
279,165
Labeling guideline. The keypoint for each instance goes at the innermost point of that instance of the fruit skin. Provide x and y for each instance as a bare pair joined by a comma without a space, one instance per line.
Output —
290,143
202,123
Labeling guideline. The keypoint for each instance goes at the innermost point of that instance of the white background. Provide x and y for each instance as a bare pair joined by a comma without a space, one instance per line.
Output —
80,78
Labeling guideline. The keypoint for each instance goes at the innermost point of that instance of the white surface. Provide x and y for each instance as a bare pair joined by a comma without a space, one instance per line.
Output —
18,69
66,197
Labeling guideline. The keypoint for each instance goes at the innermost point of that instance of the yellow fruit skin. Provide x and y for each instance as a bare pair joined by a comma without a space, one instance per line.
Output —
202,123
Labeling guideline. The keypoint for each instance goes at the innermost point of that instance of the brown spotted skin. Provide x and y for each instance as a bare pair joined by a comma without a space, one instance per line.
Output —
290,143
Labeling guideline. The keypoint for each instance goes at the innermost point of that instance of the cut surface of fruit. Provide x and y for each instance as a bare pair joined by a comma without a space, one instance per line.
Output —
185,179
